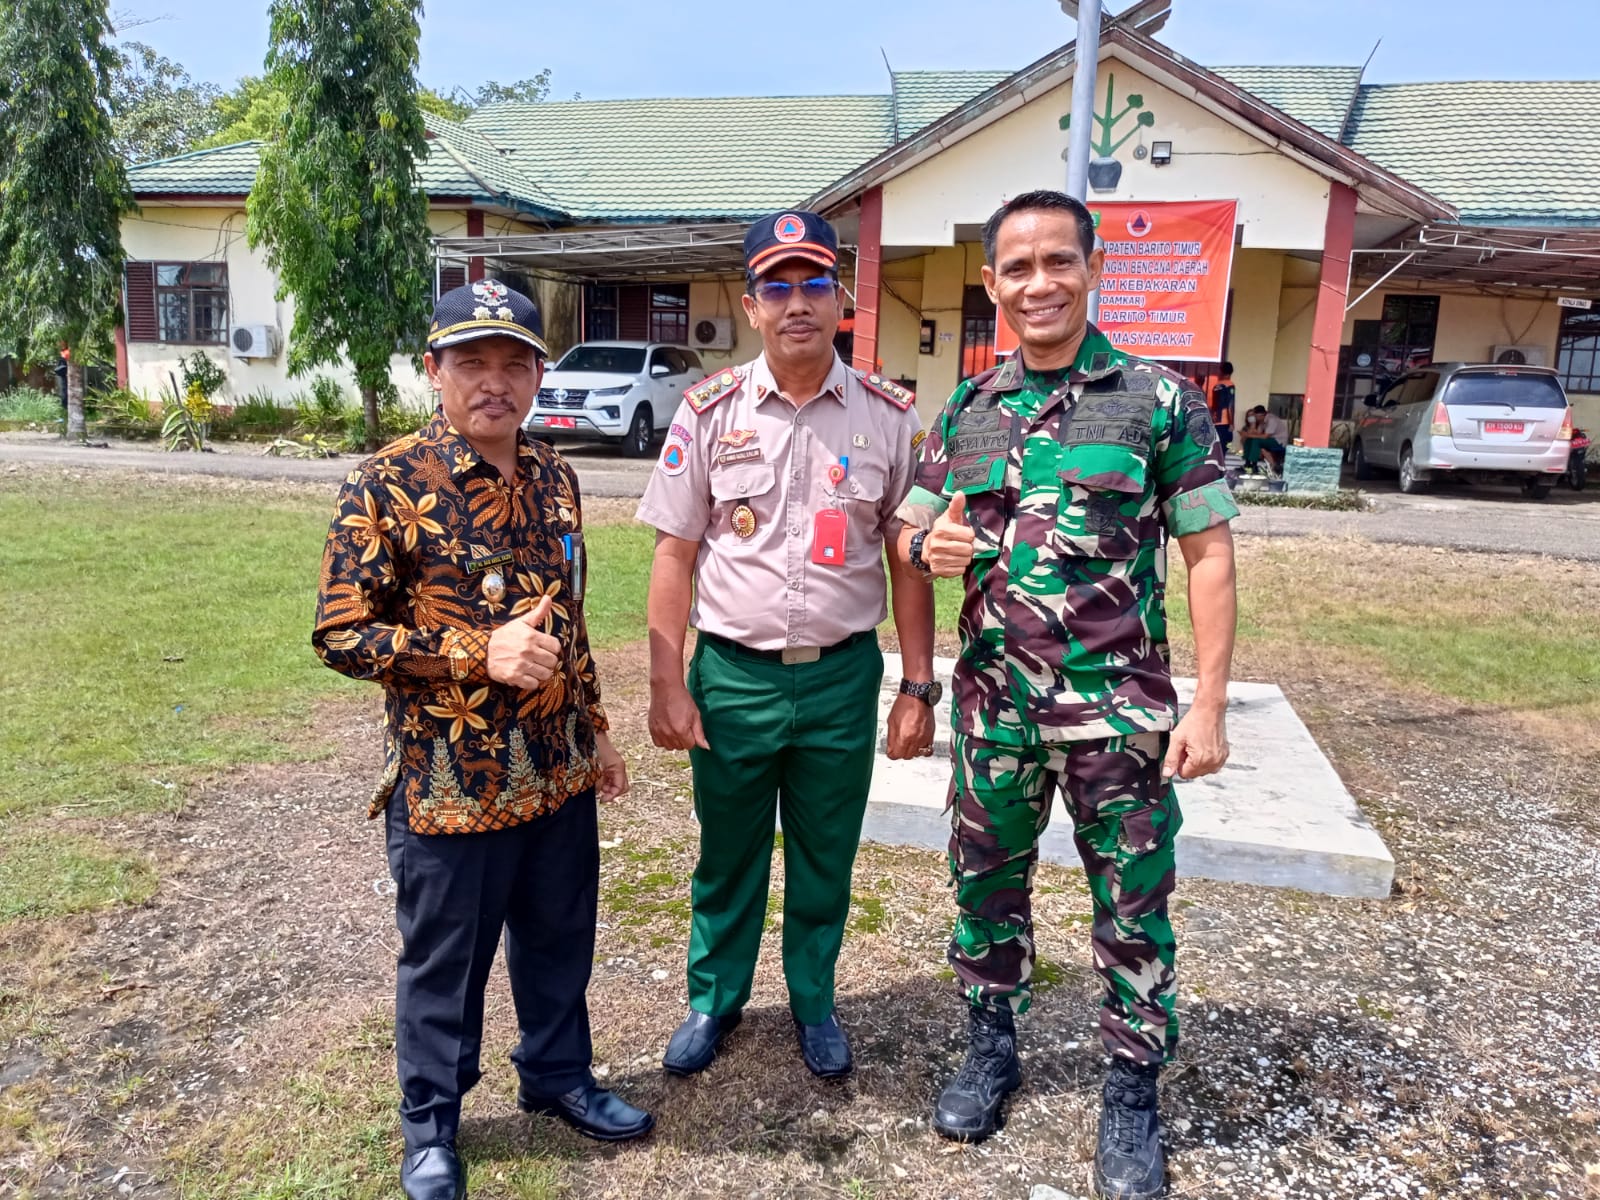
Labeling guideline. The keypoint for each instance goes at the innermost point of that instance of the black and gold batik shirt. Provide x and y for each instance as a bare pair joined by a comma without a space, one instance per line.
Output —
429,553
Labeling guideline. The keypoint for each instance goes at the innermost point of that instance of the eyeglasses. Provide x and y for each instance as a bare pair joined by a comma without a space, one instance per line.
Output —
777,292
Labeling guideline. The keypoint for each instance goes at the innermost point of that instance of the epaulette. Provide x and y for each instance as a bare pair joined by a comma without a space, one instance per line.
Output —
713,389
901,397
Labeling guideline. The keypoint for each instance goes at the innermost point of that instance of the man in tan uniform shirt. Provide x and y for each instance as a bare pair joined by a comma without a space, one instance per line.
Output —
773,501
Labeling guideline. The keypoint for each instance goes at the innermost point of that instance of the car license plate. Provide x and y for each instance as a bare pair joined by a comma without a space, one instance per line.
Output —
572,422
1502,426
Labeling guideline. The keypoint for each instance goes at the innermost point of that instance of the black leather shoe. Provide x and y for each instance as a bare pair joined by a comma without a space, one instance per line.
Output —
1128,1163
695,1043
433,1173
825,1047
593,1112
968,1109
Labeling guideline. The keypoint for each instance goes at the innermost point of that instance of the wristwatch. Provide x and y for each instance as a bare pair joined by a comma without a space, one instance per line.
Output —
917,561
929,693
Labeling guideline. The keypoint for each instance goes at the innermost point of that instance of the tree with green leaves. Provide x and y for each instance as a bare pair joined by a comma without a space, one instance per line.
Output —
63,188
336,203
156,109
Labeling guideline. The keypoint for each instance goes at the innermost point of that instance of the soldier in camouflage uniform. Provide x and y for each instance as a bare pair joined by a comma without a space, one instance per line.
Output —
1052,484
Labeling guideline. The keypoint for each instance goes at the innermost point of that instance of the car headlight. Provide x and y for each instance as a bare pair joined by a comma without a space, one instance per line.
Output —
616,391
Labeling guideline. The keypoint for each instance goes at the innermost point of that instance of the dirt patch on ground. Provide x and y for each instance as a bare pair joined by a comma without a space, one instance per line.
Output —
1435,1044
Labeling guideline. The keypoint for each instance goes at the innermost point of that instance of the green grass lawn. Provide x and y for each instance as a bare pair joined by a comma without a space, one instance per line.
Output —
153,634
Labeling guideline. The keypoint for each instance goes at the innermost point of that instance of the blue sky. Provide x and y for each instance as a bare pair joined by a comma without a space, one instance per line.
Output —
621,48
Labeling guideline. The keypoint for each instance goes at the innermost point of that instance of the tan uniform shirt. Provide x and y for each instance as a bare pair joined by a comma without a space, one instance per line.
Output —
745,474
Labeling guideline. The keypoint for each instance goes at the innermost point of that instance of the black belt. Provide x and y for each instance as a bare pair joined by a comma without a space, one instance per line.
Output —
779,655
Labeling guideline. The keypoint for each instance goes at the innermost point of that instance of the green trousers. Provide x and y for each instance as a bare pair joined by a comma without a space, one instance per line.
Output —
794,742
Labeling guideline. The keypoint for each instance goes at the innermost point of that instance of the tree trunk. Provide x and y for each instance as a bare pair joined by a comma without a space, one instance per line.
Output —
369,405
76,431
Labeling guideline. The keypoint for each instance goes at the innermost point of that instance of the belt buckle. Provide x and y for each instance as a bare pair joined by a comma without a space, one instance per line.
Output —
801,654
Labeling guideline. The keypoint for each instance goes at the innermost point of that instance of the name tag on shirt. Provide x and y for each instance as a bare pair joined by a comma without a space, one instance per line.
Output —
827,538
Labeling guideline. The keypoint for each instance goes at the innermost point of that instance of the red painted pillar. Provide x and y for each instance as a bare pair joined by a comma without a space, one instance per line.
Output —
869,280
122,355
474,229
1327,330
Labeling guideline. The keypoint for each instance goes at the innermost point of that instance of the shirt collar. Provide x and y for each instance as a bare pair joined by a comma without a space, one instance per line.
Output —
1096,359
764,384
458,452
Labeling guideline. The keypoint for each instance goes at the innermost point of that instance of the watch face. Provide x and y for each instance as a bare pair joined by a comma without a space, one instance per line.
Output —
935,693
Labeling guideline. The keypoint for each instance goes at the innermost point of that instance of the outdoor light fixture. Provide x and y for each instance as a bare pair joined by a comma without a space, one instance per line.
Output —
1160,154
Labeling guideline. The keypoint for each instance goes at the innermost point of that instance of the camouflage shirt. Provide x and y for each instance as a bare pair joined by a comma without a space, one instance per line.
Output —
1074,480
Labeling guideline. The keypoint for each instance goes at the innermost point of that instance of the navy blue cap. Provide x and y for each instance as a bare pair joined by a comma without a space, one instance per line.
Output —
771,240
487,308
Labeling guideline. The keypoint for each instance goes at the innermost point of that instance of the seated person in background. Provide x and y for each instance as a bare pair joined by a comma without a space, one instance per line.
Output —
1266,434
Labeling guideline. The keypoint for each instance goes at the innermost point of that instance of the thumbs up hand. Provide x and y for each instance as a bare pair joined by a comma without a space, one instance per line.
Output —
521,653
948,547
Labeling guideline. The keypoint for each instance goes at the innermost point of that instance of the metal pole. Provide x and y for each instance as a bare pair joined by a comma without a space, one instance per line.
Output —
1085,77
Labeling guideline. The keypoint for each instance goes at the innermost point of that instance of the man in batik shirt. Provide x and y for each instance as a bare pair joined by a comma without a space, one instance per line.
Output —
452,575
1052,485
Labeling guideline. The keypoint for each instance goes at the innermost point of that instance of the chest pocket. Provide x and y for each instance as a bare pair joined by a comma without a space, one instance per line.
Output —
1104,471
977,452
748,483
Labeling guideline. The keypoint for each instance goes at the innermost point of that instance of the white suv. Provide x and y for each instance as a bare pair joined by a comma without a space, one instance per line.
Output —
623,392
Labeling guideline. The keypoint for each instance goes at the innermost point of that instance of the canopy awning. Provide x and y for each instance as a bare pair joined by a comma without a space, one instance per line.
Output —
1549,259
610,255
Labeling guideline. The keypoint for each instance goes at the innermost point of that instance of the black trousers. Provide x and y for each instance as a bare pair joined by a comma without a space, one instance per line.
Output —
455,893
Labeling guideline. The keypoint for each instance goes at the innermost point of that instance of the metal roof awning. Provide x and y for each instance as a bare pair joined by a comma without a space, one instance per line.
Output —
1552,259
609,254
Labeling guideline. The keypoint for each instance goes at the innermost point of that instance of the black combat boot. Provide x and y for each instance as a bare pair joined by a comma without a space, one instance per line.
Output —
1128,1163
968,1109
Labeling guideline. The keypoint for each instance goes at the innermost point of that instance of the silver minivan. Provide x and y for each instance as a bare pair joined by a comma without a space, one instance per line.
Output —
1468,420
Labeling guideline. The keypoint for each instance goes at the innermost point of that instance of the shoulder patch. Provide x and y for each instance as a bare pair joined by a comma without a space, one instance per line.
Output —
713,389
901,397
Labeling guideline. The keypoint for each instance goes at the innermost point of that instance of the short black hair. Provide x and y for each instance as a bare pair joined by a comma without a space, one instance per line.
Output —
1227,368
1260,408
1039,201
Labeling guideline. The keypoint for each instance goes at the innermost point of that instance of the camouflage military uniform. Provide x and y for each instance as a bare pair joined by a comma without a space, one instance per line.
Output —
1073,482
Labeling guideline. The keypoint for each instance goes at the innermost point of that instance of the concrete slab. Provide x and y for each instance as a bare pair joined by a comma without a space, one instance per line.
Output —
1278,813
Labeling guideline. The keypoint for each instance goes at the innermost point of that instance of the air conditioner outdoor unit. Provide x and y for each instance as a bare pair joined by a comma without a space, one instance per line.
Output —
713,333
1520,356
257,341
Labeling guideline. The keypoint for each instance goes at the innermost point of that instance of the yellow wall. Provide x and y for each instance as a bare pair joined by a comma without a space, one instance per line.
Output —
1282,205
183,233
1253,336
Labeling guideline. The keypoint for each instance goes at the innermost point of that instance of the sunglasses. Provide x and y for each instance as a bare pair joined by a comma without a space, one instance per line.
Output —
777,292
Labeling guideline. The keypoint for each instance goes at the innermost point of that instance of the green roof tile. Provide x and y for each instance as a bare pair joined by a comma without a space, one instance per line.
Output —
223,171
1500,152
701,159
922,97
1317,97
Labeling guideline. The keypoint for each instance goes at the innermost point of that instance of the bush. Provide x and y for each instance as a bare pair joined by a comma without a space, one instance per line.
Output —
203,373
1344,500
257,415
30,406
127,413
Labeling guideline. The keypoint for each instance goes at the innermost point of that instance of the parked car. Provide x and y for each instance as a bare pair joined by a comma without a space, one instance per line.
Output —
624,392
1470,420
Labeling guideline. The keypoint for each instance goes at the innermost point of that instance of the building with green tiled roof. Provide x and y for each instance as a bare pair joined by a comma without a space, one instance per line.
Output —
631,200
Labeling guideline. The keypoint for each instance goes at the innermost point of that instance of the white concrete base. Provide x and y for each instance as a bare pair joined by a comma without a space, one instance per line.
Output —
1277,814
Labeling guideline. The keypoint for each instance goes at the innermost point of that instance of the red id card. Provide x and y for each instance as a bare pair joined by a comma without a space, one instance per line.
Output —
827,538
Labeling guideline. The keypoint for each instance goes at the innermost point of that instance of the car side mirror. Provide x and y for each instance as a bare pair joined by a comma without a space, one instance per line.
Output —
1371,402
658,370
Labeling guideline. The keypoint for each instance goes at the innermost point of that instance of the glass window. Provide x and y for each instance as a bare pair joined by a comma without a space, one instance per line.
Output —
192,302
612,360
977,332
1578,350
1504,387
669,313
600,315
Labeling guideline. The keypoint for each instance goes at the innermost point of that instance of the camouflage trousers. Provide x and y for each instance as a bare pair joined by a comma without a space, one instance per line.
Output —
1124,821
